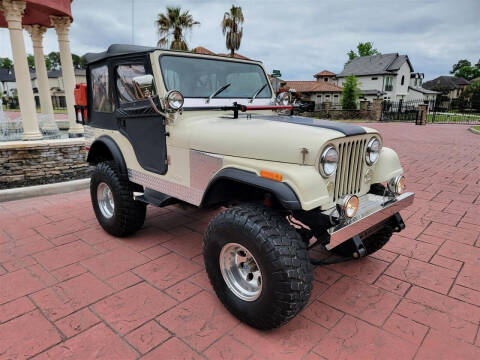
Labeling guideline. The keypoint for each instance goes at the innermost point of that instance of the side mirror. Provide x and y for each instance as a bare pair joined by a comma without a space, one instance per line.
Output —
143,86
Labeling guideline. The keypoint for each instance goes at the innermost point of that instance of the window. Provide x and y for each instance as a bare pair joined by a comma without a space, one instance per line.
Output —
125,75
102,99
335,96
327,96
325,79
199,78
403,80
388,83
374,78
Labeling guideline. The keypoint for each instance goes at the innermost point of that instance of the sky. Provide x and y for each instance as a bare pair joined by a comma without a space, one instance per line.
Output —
299,38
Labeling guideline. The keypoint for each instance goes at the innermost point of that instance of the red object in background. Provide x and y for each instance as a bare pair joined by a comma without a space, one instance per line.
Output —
80,94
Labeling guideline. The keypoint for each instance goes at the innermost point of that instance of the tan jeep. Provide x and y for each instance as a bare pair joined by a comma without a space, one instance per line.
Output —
177,127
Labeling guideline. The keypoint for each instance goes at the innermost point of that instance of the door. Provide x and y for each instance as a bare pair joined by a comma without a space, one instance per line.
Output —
138,122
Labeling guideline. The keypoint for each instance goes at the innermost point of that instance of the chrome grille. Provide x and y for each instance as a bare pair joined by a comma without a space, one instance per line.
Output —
348,179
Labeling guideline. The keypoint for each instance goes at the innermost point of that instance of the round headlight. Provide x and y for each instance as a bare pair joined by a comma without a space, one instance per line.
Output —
328,161
397,185
373,151
348,206
174,99
283,99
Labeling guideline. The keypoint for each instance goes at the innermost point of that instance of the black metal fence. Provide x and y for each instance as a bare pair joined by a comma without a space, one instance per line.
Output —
453,111
406,111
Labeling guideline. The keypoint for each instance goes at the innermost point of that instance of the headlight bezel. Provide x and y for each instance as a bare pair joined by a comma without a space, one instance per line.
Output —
169,100
368,150
323,159
283,99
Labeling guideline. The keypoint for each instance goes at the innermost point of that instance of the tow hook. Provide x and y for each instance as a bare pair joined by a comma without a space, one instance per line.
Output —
359,246
399,224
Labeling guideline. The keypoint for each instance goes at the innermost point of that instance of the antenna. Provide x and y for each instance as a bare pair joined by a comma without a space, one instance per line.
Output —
133,22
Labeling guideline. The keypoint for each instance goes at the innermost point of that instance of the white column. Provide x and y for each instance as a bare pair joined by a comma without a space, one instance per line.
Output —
13,12
36,33
62,26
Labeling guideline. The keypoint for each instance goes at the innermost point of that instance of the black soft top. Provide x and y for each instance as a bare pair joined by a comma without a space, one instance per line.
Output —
125,49
115,50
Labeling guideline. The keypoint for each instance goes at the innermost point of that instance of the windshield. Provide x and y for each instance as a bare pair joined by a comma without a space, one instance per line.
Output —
200,78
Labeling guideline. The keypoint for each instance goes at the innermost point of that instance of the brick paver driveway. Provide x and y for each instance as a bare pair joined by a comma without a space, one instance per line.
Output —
69,290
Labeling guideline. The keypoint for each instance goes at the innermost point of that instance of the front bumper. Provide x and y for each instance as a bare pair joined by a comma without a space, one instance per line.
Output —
373,209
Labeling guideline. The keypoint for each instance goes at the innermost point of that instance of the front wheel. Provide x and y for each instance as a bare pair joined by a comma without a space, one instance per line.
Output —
258,265
112,198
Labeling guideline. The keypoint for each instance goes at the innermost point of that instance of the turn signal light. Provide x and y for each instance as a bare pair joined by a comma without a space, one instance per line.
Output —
271,175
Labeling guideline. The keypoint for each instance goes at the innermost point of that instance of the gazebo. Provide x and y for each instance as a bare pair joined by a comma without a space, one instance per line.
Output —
36,16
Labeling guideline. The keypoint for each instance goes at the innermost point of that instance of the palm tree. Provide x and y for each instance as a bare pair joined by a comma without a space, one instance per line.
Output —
231,27
171,27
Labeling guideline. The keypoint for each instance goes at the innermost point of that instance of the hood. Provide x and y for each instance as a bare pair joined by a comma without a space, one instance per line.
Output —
268,137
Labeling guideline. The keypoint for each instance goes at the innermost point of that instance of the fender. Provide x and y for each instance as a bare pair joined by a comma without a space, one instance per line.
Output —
387,166
111,145
282,191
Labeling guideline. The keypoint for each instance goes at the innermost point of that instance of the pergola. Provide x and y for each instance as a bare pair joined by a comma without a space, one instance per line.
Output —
36,16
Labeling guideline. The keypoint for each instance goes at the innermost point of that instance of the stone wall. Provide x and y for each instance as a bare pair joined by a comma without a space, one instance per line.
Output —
25,163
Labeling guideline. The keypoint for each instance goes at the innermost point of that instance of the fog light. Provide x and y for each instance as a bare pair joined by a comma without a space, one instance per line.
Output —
348,206
397,185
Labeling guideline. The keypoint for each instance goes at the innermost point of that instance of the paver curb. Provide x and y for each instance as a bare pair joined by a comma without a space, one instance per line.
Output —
42,190
474,131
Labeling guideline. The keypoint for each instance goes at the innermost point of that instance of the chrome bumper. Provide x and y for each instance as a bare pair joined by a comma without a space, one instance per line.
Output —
372,210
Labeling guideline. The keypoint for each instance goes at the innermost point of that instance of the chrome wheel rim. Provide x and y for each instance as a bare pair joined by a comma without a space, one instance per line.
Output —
105,200
240,272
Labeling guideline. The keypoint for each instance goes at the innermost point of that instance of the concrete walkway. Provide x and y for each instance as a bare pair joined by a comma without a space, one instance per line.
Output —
70,291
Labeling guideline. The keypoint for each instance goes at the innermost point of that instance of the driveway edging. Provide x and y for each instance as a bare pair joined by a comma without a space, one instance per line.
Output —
42,190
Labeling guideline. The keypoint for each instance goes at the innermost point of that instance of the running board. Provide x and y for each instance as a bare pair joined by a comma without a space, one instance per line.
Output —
155,198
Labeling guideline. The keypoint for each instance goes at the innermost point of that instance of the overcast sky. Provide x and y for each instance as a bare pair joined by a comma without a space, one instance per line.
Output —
299,37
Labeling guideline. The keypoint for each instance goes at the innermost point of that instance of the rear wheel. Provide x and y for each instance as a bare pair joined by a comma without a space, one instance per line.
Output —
112,198
258,265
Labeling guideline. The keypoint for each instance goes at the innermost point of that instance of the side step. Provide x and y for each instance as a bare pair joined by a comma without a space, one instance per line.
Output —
155,198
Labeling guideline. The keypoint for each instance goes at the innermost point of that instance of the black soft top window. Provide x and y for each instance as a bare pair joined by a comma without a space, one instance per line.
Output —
101,95
199,78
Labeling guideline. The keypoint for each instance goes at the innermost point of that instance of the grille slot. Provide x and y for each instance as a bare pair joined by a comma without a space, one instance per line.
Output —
348,179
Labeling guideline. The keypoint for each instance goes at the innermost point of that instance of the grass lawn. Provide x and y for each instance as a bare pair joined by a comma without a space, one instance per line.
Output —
476,128
453,117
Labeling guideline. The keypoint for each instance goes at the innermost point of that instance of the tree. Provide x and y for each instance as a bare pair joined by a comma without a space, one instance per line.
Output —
171,27
54,58
460,64
6,63
471,94
468,72
363,49
31,61
350,93
78,61
231,27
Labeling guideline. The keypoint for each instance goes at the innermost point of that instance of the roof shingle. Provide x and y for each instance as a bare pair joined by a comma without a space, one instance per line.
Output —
375,65
313,86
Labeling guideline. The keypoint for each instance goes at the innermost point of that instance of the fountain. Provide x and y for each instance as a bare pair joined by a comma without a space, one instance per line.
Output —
12,129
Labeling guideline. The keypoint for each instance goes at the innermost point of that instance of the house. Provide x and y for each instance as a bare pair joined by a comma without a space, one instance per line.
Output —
325,76
57,88
384,76
204,51
322,90
8,85
7,82
417,92
451,86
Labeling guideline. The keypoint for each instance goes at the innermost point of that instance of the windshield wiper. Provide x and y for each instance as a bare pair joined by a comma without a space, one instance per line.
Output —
224,87
257,92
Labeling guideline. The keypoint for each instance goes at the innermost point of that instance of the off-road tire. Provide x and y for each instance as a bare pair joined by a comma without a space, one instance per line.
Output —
280,253
372,243
129,215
